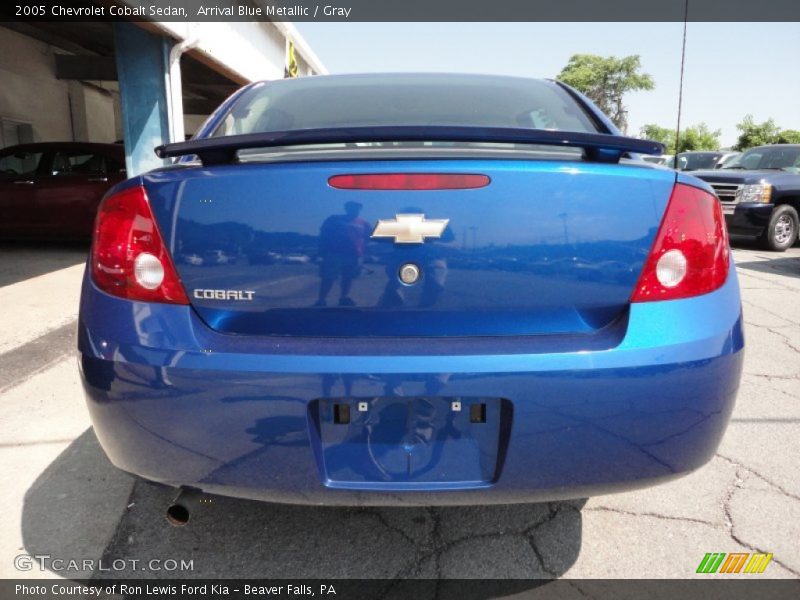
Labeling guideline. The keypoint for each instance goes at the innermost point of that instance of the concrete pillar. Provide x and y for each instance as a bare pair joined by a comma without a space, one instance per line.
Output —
143,71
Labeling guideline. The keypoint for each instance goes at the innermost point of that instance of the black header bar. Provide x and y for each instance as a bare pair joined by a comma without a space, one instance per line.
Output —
403,10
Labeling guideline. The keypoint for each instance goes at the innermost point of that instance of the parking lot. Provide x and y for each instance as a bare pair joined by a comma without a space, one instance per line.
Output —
64,499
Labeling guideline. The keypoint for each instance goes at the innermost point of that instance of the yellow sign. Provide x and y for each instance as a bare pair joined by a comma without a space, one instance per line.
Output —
291,61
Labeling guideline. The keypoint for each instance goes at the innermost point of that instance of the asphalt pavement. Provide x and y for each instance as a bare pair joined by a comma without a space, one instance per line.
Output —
64,499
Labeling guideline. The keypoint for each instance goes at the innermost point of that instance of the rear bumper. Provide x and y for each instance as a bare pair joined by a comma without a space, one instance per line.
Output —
174,402
749,219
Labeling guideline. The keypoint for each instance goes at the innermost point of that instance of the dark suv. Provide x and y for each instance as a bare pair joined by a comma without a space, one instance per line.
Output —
760,193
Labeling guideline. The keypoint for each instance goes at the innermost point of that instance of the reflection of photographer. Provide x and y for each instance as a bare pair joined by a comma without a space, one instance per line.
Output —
341,247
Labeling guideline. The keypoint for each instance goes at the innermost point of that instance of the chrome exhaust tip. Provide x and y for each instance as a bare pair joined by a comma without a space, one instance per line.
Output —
177,515
178,512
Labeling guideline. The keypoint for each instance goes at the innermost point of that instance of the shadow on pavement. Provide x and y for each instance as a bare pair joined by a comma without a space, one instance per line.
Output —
24,260
83,507
72,509
788,266
746,242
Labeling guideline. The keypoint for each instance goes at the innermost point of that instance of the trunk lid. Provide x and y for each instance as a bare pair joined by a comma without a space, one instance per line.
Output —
546,247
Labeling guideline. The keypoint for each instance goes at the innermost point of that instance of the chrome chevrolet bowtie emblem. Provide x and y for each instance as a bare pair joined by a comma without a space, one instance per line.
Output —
410,229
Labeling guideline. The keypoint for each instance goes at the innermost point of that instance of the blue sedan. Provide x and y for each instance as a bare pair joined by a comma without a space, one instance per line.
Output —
410,289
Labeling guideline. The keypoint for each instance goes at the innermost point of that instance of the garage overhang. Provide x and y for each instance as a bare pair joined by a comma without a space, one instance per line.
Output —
203,63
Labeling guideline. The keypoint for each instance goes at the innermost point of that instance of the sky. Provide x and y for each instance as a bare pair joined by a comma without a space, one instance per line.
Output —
732,69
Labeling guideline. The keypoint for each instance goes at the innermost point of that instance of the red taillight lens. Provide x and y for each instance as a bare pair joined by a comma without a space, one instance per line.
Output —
129,258
690,255
409,181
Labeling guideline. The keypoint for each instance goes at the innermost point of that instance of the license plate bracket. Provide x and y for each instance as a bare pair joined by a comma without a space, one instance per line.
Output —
397,441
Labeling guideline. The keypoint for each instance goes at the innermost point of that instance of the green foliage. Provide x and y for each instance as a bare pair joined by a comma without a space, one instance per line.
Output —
789,136
697,137
657,133
757,134
605,80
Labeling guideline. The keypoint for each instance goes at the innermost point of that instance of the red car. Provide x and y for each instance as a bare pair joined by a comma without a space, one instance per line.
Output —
52,190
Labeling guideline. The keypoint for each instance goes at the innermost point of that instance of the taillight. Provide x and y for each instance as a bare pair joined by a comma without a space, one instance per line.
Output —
409,181
129,258
690,255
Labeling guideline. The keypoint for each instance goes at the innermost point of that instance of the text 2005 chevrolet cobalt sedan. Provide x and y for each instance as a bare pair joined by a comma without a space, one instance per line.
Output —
423,289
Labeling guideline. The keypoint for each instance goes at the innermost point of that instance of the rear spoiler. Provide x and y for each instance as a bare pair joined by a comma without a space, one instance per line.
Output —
599,147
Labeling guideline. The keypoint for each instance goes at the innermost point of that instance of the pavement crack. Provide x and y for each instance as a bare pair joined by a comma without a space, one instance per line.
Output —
782,490
437,547
553,510
650,514
771,281
539,558
783,392
760,307
786,339
530,535
770,377
423,549
382,520
731,524
436,554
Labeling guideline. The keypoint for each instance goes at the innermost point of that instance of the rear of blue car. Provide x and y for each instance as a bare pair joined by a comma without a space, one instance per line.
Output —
455,316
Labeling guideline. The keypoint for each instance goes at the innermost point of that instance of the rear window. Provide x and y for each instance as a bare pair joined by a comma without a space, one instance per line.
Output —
768,157
695,162
404,100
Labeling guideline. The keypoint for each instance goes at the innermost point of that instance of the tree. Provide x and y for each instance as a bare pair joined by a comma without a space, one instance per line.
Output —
605,80
788,136
756,134
698,137
657,133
